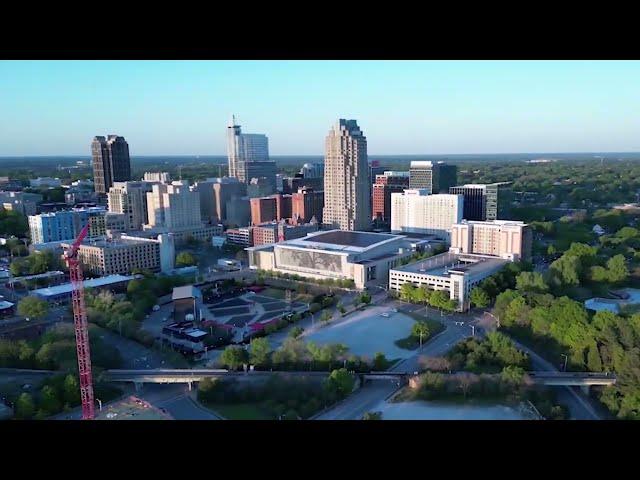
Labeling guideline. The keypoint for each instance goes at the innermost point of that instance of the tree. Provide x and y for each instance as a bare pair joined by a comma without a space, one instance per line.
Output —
420,330
341,308
25,408
406,292
260,351
33,307
380,361
341,382
234,356
372,416
325,317
185,259
513,375
49,401
439,299
551,250
617,269
71,390
296,331
479,297
365,298
466,381
531,282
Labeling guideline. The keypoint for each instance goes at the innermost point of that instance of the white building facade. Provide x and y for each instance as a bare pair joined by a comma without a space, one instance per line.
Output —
415,211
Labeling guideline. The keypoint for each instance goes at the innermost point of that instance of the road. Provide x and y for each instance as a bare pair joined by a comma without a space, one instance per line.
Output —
371,394
579,407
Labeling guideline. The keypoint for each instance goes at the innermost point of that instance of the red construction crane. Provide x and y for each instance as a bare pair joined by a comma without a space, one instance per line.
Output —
81,328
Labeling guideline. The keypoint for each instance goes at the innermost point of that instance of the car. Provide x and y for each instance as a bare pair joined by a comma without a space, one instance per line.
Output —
385,314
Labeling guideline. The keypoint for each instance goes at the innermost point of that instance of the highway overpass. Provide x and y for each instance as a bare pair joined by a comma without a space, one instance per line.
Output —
190,376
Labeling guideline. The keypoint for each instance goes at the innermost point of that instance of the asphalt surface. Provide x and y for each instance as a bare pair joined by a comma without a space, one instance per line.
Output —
371,394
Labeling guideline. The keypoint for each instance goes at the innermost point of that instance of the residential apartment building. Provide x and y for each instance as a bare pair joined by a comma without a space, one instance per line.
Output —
67,224
415,211
268,209
214,195
173,206
507,239
130,199
125,254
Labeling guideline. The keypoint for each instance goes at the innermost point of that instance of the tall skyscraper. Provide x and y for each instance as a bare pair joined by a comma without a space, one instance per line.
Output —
347,183
111,162
435,177
248,155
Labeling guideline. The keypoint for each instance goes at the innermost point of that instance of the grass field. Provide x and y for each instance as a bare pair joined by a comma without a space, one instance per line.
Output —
240,411
411,342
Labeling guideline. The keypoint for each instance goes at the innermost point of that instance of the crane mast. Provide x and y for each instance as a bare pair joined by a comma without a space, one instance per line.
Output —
81,327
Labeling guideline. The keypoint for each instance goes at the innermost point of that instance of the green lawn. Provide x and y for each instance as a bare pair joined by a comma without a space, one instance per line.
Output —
240,411
411,342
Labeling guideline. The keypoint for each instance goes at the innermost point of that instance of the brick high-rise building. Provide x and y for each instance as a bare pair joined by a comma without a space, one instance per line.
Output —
307,203
111,162
347,182
386,184
271,208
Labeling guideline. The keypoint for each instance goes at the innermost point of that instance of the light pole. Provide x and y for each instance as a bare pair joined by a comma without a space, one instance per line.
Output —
473,330
421,333
564,369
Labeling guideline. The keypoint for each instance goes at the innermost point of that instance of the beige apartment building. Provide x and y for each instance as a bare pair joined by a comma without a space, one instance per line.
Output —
508,239
130,199
124,254
173,206
347,182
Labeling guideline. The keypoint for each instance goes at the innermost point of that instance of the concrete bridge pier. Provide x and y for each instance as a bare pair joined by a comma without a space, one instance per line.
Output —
138,386
585,389
190,385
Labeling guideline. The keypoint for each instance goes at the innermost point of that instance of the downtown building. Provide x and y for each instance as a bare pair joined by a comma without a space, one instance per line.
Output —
508,239
415,211
434,177
175,208
248,155
215,193
269,209
480,200
347,183
386,184
130,199
275,232
111,162
363,257
307,204
67,224
123,254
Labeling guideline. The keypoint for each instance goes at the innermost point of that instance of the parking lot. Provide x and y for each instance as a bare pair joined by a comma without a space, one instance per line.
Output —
367,332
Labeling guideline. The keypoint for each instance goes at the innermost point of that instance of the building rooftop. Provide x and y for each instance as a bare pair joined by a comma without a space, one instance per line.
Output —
66,288
349,238
186,291
446,263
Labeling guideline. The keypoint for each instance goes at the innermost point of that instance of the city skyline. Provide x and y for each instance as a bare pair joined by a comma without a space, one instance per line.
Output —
406,107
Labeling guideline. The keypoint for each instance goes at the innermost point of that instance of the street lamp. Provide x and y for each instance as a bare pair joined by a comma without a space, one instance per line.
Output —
421,333
473,330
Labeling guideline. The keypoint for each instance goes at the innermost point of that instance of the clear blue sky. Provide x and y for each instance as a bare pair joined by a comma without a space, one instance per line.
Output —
403,107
